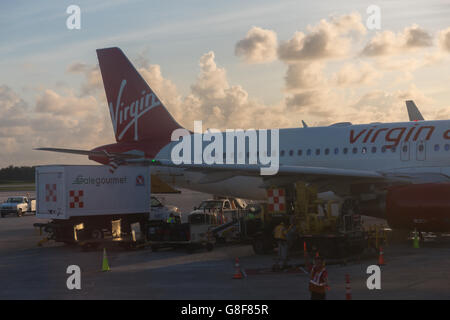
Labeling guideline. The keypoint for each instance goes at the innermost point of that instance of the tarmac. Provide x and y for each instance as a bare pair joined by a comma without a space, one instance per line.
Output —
31,272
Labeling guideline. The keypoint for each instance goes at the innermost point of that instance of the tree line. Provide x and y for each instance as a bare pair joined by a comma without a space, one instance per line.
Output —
17,174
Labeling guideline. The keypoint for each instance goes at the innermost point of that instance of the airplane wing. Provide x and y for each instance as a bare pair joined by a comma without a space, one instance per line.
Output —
227,170
93,153
413,112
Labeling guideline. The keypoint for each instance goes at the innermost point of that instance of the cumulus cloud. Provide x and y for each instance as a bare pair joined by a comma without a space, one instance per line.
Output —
258,46
356,74
51,102
93,78
444,39
304,75
388,42
328,39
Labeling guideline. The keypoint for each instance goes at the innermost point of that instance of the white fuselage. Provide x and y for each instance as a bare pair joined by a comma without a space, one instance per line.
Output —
405,147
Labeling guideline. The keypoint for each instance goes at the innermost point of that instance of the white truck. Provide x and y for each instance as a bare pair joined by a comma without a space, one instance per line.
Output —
18,205
222,213
89,203
162,212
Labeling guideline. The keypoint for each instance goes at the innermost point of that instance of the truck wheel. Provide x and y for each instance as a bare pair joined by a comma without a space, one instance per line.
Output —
19,212
209,247
97,234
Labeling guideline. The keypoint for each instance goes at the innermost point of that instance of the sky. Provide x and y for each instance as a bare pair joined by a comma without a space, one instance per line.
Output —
232,64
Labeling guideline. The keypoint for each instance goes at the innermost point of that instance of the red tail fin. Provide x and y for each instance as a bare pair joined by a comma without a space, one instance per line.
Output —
136,112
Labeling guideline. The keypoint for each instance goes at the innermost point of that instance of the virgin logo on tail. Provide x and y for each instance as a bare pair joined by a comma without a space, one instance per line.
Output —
130,114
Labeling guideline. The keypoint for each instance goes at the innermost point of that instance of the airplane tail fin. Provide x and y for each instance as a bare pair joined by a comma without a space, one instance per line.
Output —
136,112
413,112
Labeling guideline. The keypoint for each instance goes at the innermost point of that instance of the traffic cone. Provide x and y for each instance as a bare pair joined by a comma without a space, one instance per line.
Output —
237,273
105,264
348,288
381,257
416,240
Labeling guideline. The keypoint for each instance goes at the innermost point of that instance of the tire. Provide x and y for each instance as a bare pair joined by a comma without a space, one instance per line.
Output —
97,234
209,247
19,212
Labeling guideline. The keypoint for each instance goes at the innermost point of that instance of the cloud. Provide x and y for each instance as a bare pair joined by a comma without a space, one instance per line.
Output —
50,102
304,75
258,46
444,39
326,40
389,43
356,74
93,79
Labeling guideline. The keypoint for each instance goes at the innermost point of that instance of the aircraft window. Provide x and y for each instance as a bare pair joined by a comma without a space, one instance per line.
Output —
421,147
447,147
299,152
383,149
436,147
345,150
393,149
374,149
317,152
336,150
364,150
327,151
282,153
355,150
405,149
291,153
308,152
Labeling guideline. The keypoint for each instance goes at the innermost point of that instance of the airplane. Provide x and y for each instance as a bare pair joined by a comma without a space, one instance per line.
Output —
396,171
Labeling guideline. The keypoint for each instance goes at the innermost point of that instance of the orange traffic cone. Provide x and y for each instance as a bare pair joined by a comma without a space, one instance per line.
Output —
237,273
381,257
348,288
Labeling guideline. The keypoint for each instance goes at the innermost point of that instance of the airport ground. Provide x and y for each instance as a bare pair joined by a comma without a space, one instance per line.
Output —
31,272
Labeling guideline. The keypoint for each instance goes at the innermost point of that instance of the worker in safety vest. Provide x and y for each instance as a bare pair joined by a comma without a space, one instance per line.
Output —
318,284
280,233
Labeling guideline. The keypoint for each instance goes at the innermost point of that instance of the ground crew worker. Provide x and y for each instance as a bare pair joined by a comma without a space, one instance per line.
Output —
171,219
280,233
318,283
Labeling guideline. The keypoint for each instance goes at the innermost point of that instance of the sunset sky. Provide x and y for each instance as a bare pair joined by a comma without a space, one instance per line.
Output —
232,64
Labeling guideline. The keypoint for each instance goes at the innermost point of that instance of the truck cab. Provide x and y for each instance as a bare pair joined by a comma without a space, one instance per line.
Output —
221,211
161,212
17,205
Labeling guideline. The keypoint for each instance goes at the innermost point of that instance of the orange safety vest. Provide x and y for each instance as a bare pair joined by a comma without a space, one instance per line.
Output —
317,283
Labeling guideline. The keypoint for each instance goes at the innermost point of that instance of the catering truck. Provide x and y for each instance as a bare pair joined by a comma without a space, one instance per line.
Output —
88,204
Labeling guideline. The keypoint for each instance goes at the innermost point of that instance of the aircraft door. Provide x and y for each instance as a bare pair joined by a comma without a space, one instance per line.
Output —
421,150
405,151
